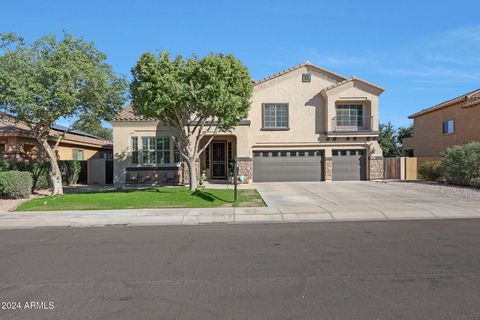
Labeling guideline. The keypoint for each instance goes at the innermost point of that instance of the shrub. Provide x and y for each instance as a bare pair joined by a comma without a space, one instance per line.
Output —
70,171
38,169
15,184
462,164
431,170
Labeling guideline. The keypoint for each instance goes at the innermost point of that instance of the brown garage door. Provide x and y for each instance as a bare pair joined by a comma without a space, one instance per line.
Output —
279,166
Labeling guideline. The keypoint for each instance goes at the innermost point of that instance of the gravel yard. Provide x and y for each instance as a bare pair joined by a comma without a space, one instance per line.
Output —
458,192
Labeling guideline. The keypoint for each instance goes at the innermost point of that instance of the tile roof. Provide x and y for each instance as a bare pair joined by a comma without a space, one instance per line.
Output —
127,114
470,99
298,66
8,125
349,80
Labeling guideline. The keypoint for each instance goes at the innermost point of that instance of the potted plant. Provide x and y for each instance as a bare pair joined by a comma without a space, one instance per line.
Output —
202,178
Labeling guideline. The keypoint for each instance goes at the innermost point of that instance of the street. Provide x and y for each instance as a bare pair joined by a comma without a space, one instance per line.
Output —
344,270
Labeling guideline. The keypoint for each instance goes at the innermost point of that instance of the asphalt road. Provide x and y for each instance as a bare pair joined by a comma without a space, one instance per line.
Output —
342,270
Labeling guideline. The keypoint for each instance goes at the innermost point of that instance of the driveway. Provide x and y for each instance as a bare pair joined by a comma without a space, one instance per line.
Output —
357,198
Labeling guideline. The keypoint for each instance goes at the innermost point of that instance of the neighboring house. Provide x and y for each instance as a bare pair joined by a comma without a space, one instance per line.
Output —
305,124
18,144
449,123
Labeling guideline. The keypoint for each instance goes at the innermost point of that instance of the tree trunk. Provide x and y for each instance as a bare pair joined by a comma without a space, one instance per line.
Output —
55,174
192,173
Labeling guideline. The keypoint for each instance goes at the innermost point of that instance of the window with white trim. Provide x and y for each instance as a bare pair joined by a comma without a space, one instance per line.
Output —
349,115
275,116
448,126
163,150
134,142
148,150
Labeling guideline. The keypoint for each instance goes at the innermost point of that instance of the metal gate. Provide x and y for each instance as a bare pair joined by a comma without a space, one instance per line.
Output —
108,171
279,166
83,176
348,165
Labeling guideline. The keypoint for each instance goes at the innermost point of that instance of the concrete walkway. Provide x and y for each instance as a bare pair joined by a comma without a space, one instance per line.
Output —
287,202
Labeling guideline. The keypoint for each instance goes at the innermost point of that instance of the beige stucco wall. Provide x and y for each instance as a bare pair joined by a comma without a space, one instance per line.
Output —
310,116
429,141
21,148
310,113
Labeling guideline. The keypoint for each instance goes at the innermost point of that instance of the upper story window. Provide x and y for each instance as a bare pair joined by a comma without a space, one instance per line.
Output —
448,126
275,116
349,115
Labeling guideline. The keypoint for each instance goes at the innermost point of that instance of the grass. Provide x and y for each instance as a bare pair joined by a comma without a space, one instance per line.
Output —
178,197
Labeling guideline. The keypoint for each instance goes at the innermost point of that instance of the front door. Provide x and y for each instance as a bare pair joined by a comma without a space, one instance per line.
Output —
219,160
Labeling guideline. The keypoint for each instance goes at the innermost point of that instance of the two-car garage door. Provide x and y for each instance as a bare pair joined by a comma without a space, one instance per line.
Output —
307,165
275,166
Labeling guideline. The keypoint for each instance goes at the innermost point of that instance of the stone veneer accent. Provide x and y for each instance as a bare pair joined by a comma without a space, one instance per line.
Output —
245,168
328,169
375,168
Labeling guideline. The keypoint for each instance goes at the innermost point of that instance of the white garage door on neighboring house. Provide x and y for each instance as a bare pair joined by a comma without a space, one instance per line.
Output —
349,165
279,166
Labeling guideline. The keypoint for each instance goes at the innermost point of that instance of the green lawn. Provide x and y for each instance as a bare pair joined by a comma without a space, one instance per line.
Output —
178,197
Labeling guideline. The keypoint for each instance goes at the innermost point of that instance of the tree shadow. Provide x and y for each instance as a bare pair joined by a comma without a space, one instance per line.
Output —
207,196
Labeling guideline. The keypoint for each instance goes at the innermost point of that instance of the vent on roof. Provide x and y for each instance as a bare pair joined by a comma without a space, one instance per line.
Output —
306,77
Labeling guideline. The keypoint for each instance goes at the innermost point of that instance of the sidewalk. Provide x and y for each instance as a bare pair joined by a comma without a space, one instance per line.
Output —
147,217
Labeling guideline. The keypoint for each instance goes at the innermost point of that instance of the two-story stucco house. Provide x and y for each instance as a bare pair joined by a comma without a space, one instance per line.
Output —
305,124
452,122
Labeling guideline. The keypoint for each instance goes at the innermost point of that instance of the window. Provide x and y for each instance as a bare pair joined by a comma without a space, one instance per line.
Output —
349,115
207,157
77,154
163,150
229,153
275,116
448,127
134,141
283,154
148,150
256,154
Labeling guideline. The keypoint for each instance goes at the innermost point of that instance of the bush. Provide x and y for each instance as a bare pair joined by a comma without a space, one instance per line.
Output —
462,164
40,171
431,170
70,171
15,184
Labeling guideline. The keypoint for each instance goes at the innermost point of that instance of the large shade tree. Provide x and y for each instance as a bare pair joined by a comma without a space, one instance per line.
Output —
197,97
56,78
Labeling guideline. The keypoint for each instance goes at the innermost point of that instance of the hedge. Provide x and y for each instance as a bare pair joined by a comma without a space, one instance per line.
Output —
462,164
15,184
40,171
431,170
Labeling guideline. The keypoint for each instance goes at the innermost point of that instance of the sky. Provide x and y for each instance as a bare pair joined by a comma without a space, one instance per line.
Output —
422,52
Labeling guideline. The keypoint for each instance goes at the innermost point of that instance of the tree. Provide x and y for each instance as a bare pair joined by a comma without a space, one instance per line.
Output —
94,126
196,97
404,132
388,140
56,78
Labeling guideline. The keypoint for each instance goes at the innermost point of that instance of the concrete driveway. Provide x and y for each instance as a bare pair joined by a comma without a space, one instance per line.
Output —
355,199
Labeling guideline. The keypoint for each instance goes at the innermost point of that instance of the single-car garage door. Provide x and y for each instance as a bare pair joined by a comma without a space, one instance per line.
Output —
277,166
348,165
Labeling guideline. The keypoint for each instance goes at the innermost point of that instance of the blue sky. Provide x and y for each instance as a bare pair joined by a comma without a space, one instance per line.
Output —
421,52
